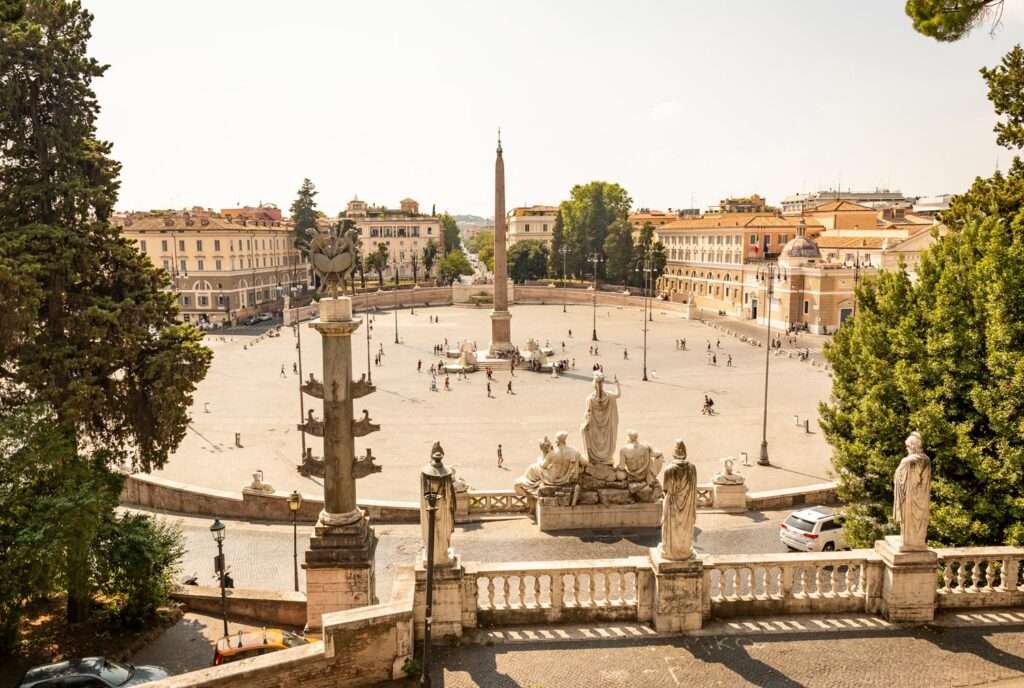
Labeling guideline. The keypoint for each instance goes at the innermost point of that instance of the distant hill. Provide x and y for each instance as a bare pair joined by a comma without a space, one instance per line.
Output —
474,219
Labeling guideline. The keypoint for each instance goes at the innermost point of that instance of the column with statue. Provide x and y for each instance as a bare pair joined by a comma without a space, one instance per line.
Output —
339,563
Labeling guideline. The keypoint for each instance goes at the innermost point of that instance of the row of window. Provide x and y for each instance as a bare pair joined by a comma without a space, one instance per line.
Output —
526,228
388,231
275,244
218,265
729,239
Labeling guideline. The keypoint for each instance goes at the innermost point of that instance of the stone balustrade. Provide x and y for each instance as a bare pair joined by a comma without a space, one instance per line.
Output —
559,592
980,577
760,585
705,496
486,502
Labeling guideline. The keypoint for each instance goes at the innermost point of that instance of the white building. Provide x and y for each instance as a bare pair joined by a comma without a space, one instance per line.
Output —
535,222
405,231
879,198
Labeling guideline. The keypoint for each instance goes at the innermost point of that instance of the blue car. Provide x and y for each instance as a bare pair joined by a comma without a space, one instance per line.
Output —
90,672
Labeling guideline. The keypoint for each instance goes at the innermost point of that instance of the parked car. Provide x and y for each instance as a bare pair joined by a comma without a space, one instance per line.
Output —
90,672
264,317
815,529
247,644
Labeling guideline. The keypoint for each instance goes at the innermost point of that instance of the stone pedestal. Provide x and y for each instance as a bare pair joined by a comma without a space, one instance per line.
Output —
730,497
678,593
447,601
339,569
551,516
501,332
908,581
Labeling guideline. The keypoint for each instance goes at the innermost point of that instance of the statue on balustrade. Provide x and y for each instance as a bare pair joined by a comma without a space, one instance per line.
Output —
912,494
444,519
642,462
679,510
601,422
556,469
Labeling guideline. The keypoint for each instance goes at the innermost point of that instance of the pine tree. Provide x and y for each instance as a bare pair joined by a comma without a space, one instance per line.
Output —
94,343
304,215
618,248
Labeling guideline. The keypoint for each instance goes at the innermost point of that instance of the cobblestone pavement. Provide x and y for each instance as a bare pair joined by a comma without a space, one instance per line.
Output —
260,555
187,645
246,393
862,657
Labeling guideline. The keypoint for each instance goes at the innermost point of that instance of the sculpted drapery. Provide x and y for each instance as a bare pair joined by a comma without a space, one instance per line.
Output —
912,494
679,509
601,422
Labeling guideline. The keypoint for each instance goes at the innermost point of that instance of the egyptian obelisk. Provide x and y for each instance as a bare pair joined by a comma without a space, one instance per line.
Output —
501,319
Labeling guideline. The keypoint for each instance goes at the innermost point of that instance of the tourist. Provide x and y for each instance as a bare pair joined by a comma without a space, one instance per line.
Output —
570,333
574,364
508,388
295,368
684,343
709,345
718,343
488,390
501,459
728,362
419,366
625,354
283,374
563,346
714,359
433,384
590,349
447,384
596,353
206,407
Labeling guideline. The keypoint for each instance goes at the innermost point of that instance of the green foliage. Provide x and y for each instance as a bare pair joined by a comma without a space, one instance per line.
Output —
586,217
618,247
950,20
556,266
943,355
453,265
304,215
429,256
527,260
377,261
1006,91
482,244
449,234
1001,195
138,560
94,343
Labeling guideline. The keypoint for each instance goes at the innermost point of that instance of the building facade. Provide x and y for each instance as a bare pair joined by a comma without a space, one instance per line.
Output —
403,230
221,269
536,222
879,198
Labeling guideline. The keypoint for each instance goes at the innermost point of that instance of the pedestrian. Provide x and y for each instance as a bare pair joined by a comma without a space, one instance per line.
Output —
625,354
295,368
718,343
570,333
684,343
508,389
501,459
573,364
709,345
283,374
590,349
728,362
419,366
488,390
596,353
447,384
714,359
433,384
512,367
206,407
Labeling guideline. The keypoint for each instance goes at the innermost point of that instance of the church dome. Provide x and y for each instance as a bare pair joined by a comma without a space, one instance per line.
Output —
800,250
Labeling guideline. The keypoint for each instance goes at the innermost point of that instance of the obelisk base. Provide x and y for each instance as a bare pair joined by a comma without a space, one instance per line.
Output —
501,333
339,568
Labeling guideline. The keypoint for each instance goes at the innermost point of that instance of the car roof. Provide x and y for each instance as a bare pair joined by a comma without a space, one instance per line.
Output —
69,667
814,513
247,640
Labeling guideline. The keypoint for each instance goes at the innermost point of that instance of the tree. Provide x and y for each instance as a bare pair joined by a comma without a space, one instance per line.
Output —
97,347
618,248
377,261
453,265
555,266
946,20
483,246
449,234
1006,91
414,261
429,256
305,216
586,217
527,260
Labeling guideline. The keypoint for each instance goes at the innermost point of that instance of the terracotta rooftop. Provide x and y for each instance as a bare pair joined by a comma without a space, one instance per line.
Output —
737,220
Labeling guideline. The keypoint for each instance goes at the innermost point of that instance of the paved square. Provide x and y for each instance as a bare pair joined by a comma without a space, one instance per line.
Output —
246,393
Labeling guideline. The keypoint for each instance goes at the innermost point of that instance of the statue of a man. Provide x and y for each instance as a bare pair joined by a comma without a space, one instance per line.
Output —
444,518
601,422
556,466
679,510
912,494
642,462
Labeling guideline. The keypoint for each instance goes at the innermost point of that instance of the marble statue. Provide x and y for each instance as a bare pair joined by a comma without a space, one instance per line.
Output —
444,517
912,494
333,255
467,356
728,475
642,462
601,422
679,510
257,486
556,467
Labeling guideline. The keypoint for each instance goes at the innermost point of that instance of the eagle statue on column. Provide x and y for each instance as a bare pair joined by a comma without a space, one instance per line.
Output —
333,255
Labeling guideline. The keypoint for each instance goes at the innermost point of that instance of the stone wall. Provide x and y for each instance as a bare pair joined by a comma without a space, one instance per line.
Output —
806,495
268,607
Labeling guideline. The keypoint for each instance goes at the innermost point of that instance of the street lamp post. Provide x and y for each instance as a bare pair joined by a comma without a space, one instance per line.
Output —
217,531
294,504
435,477
396,303
564,250
298,351
648,264
369,330
595,258
767,274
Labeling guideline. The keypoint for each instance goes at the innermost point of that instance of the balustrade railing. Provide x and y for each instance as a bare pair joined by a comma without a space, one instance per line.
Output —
557,592
497,502
753,585
980,577
705,495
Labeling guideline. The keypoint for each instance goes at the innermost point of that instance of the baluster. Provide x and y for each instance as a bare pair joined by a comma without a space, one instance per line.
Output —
584,590
505,592
630,596
947,575
555,581
961,575
786,582
491,602
1008,575
729,583
853,578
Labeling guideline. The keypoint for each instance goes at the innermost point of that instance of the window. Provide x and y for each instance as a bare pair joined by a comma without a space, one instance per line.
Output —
142,245
526,228
199,263
199,244
181,244
220,300
545,228
184,300
217,264
163,245
204,301
216,244
807,307
184,265
753,240
167,265
767,240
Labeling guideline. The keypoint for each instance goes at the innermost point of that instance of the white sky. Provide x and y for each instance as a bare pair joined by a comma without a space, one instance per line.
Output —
218,102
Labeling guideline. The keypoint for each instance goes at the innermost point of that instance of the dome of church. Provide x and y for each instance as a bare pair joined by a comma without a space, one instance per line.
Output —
800,250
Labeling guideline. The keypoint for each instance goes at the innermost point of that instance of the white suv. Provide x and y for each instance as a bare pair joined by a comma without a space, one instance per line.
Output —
815,529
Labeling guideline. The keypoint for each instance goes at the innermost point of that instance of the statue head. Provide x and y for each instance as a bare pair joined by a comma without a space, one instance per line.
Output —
598,381
915,445
632,435
561,437
680,451
545,446
727,465
436,452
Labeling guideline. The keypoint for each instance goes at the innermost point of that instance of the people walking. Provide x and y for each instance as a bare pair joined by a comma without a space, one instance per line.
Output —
508,388
419,366
283,374
625,354
728,362
447,384
488,390
501,459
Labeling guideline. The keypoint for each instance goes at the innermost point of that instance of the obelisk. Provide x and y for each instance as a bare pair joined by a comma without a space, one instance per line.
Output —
501,319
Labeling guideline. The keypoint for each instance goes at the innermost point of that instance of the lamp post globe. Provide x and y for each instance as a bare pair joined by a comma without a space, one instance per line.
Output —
218,531
294,504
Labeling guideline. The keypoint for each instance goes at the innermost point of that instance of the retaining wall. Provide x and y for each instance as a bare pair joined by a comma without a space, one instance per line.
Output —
268,607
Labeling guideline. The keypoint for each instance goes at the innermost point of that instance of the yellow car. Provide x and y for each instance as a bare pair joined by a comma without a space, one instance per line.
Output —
246,644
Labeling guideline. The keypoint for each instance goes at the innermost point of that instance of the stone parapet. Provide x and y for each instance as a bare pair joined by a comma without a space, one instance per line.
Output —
552,517
267,607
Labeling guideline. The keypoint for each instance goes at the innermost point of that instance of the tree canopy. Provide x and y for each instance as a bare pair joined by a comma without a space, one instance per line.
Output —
449,234
586,217
482,244
951,20
527,260
305,215
453,265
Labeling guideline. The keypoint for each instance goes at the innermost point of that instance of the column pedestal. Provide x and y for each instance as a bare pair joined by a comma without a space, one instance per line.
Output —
501,332
908,582
339,569
730,497
447,601
678,593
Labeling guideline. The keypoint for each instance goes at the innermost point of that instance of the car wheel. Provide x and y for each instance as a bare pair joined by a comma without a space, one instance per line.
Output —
829,547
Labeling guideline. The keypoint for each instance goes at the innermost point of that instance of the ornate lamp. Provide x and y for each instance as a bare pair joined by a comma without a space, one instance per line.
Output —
294,504
435,476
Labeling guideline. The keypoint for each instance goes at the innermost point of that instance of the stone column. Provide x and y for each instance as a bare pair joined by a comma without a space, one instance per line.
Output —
340,559
501,319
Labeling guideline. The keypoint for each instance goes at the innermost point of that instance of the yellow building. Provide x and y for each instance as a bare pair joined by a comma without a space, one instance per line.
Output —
404,230
536,222
222,269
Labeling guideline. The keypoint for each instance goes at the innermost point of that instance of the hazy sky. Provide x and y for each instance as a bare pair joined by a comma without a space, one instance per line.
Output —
219,102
